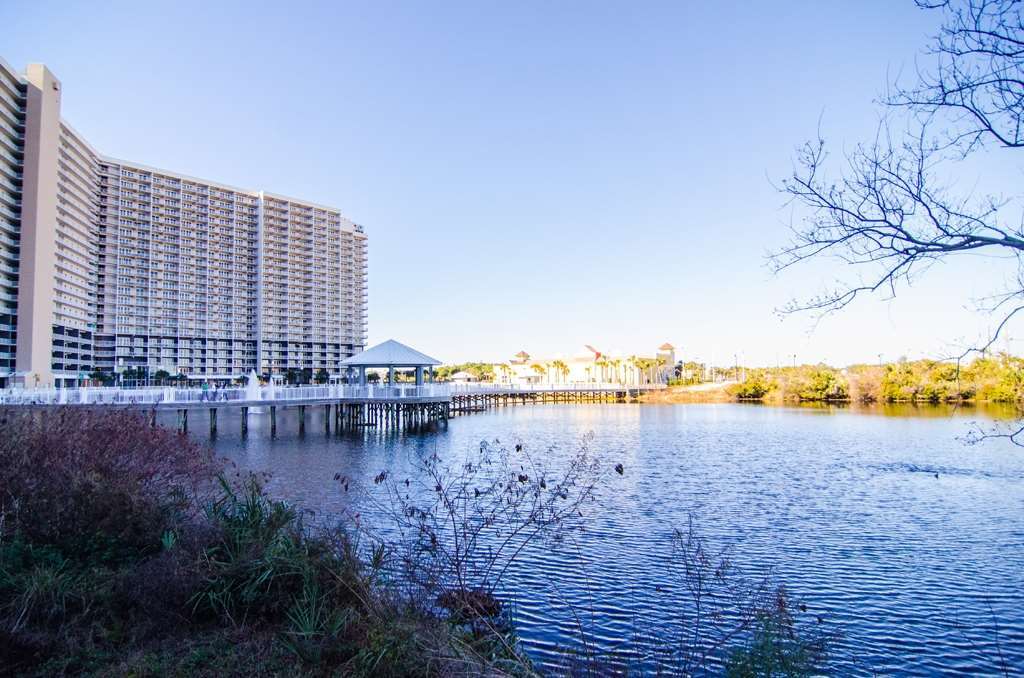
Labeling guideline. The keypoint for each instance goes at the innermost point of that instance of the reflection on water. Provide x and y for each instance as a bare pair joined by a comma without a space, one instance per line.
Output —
886,525
998,412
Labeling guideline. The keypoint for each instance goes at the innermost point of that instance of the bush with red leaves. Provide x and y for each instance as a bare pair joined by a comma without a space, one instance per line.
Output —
98,484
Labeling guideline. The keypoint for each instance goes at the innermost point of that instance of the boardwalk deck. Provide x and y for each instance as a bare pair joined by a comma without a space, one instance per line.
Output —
348,407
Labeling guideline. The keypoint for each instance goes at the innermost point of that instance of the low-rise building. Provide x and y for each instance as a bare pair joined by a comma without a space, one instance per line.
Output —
589,366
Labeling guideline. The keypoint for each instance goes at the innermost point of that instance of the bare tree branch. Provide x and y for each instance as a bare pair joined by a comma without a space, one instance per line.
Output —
979,59
886,213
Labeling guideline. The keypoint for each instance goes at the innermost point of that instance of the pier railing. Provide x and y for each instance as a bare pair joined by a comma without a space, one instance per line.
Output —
284,395
576,386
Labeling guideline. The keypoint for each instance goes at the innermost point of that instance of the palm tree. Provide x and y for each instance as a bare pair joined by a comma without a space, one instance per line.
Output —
635,362
649,365
645,370
540,369
602,363
560,368
615,363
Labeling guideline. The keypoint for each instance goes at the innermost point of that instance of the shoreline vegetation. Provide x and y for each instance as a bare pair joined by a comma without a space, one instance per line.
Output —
128,549
988,379
997,379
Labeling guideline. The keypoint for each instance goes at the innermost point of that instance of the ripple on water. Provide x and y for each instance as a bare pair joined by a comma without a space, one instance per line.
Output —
921,575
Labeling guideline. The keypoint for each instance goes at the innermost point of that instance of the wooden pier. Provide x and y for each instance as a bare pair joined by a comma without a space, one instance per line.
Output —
480,401
345,408
338,415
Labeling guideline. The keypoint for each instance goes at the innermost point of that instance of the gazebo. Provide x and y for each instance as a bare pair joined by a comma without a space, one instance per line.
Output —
391,354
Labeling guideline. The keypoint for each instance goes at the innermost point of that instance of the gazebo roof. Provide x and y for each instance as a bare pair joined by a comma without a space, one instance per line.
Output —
390,354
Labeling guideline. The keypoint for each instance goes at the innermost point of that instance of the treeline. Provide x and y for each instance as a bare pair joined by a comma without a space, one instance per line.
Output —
480,371
998,378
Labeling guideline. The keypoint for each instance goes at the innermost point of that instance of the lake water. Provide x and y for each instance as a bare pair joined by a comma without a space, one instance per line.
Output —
920,574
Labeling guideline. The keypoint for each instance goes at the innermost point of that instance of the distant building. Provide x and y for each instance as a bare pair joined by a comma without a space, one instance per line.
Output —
462,377
666,355
589,366
111,265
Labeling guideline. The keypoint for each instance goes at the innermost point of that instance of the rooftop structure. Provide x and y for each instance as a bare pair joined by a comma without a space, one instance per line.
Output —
392,355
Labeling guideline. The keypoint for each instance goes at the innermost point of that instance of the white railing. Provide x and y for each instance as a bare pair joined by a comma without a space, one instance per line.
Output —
170,395
475,388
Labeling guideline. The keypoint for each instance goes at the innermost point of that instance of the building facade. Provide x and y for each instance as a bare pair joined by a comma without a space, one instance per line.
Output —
589,366
12,170
111,265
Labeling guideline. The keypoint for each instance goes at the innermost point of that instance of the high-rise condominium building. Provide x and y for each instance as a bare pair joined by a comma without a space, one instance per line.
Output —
111,265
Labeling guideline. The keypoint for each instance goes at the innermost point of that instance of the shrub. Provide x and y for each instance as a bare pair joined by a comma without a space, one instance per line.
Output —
822,384
777,647
998,379
929,381
711,616
100,484
123,553
865,383
462,526
899,383
755,387
258,561
36,585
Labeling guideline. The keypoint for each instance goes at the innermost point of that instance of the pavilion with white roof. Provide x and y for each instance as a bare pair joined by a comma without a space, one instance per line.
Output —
392,355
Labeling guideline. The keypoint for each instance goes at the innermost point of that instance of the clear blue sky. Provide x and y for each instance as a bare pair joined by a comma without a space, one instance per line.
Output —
532,175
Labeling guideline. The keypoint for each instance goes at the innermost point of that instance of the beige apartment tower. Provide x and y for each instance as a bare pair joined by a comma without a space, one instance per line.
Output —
112,266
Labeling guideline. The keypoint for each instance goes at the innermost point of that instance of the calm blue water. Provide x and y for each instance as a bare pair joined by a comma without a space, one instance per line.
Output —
921,575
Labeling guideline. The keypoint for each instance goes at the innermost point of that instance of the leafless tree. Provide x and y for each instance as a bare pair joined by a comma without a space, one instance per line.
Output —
462,524
711,616
891,210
